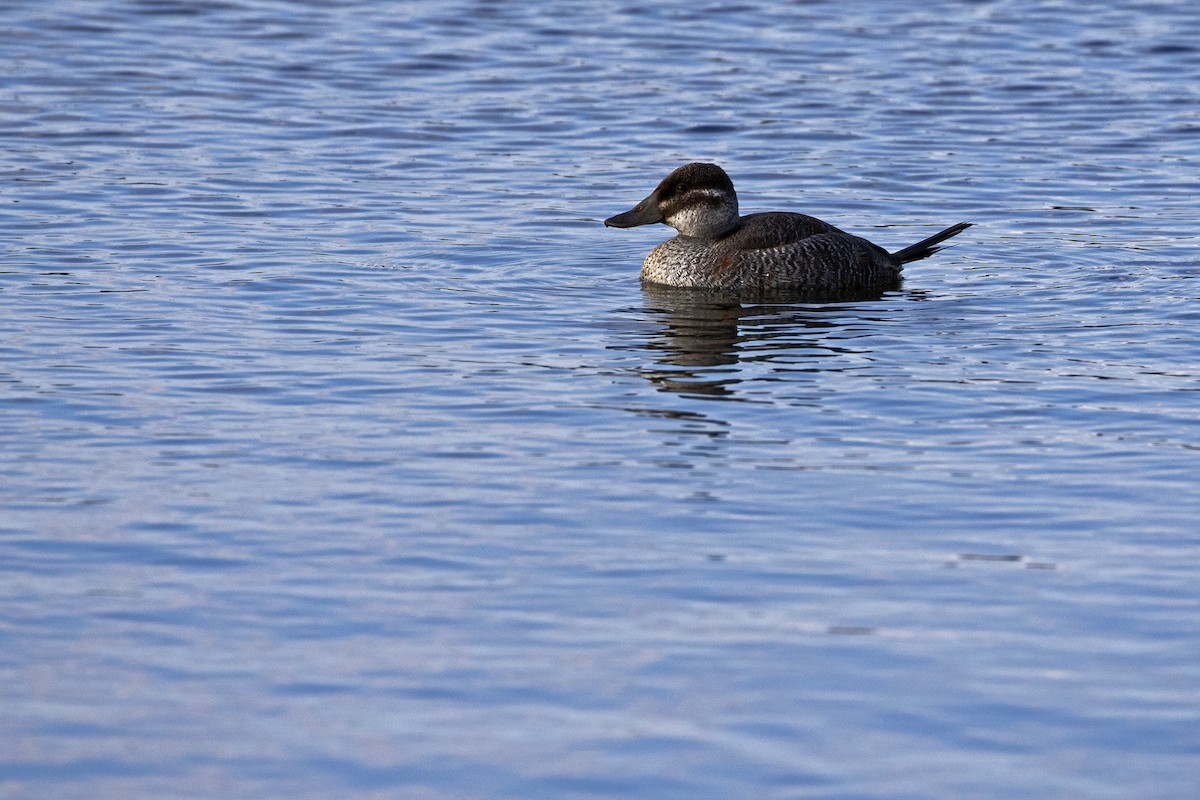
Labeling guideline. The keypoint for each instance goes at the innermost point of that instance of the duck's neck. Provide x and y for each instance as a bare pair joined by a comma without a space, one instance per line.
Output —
706,222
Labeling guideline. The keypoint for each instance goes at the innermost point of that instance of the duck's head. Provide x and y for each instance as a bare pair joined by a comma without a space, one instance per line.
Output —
696,200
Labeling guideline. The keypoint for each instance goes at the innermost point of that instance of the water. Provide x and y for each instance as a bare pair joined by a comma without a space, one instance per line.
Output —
344,456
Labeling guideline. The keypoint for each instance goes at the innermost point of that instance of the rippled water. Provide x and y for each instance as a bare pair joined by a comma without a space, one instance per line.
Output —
343,454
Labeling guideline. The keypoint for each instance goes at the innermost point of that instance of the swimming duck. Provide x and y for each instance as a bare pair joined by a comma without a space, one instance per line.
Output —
776,251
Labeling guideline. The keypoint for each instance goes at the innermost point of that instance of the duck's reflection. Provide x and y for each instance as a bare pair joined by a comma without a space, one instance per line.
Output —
707,338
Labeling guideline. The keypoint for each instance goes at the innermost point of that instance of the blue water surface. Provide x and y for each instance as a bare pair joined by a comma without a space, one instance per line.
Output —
343,454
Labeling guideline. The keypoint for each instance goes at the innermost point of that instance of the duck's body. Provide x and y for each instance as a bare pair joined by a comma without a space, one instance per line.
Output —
776,251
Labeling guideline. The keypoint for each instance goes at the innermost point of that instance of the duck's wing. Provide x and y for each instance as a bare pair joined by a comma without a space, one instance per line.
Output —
822,264
775,229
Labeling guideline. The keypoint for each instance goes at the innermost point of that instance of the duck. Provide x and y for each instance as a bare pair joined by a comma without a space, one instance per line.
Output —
777,251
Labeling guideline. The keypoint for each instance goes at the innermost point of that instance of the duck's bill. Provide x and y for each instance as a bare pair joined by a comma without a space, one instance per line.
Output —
644,213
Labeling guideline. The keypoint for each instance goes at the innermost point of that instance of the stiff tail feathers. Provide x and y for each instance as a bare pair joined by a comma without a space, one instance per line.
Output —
927,247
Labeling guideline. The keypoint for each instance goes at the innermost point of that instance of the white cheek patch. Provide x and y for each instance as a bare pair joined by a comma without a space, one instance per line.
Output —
690,218
706,194
702,211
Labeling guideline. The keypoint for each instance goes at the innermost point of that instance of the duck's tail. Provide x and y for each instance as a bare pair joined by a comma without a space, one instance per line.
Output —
927,247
